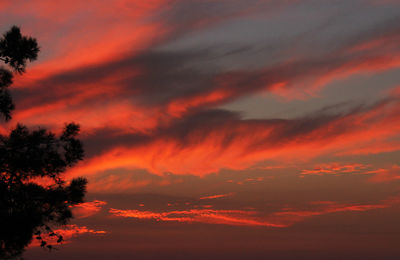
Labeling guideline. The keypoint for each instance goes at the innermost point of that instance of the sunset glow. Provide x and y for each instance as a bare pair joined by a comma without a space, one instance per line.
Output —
226,129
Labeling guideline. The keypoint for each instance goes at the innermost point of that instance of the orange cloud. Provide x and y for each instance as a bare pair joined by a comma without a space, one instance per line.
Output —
385,174
335,168
298,215
67,232
79,33
373,148
279,219
216,196
87,209
202,148
361,65
117,76
115,85
127,181
250,180
378,174
210,216
104,32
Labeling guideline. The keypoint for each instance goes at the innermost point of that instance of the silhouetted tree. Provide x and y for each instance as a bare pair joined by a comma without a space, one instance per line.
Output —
29,210
16,49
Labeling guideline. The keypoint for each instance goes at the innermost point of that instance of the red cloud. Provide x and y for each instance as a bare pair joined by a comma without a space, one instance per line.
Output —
87,209
280,219
92,75
385,174
237,144
106,31
110,75
216,196
210,216
67,232
378,174
335,168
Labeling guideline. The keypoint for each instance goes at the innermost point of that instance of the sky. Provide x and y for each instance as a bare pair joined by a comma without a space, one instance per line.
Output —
221,129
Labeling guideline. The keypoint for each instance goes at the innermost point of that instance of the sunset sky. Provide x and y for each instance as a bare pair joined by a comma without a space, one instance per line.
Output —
221,129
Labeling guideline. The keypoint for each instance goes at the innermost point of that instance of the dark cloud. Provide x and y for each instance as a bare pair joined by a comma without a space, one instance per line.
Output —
157,78
196,128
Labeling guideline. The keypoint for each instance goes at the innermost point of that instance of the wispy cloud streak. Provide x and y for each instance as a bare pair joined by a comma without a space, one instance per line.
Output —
279,219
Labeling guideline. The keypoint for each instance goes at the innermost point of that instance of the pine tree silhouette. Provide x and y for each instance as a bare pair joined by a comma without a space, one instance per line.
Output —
28,210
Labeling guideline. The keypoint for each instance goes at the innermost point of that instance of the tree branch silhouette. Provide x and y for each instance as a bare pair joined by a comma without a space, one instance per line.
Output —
27,209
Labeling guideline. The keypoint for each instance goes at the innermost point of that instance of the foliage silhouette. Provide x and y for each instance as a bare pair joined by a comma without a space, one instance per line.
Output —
16,49
27,208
